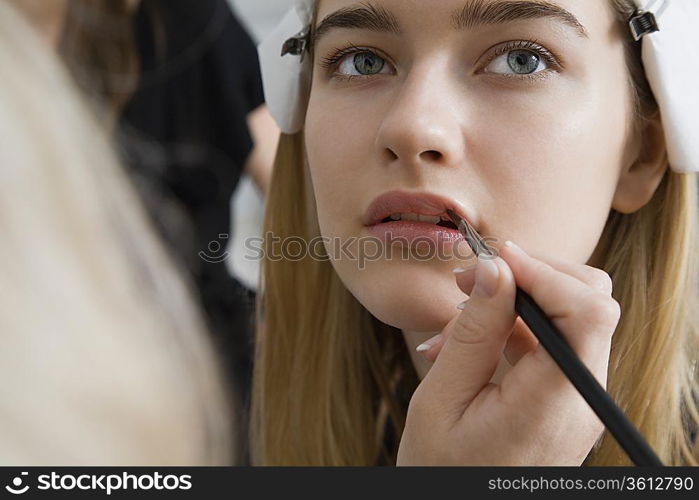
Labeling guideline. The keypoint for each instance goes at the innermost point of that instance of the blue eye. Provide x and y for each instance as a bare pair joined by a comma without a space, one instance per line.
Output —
364,63
523,62
523,58
517,62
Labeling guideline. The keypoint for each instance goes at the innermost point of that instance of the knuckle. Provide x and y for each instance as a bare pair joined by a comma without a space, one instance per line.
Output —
416,401
470,329
601,280
601,310
419,407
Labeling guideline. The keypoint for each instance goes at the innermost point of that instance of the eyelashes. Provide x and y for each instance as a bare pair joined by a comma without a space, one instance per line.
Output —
331,62
553,62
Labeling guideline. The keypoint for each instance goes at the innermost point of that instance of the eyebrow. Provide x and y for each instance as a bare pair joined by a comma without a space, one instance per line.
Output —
475,13
365,16
479,13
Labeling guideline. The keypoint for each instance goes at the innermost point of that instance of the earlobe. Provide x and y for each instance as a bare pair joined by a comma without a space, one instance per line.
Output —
640,179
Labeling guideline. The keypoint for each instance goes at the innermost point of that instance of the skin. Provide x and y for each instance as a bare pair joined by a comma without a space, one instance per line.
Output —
265,134
540,161
563,137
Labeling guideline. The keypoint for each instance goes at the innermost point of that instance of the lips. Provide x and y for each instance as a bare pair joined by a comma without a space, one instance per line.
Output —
426,206
415,219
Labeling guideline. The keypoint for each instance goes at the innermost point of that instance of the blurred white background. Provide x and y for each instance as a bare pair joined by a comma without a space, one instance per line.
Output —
261,15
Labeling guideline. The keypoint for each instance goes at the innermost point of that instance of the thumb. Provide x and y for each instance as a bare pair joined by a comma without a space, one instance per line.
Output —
475,339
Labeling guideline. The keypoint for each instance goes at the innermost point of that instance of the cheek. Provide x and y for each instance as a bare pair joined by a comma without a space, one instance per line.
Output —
541,169
342,163
549,167
340,158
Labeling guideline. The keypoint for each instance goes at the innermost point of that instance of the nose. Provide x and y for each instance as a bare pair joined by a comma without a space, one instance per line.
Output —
421,126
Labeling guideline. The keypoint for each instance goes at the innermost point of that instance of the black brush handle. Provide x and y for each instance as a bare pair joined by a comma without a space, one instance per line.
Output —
599,400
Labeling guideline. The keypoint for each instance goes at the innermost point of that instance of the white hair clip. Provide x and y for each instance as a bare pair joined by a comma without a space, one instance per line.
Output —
286,71
665,28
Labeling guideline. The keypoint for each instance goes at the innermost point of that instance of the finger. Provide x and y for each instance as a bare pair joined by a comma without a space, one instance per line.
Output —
474,339
566,300
521,342
586,317
431,348
591,276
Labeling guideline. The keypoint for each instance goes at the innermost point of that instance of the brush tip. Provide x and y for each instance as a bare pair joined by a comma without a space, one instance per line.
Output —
454,218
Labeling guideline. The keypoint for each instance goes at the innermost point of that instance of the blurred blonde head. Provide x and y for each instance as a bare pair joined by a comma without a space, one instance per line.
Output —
105,358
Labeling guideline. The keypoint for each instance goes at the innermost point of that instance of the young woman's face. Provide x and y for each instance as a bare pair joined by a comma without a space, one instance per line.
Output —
514,113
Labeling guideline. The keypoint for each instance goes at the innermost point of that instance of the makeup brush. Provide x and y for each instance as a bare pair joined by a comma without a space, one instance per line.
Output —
555,344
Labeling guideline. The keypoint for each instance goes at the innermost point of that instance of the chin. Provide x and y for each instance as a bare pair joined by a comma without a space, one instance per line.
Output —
413,320
416,300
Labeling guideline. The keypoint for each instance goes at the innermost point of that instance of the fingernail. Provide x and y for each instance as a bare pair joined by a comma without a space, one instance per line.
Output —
459,270
514,246
429,344
462,306
487,276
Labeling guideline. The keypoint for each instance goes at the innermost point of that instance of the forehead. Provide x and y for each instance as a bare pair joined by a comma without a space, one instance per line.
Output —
403,17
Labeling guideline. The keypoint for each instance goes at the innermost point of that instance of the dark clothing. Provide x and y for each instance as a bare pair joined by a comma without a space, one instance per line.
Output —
185,137
200,79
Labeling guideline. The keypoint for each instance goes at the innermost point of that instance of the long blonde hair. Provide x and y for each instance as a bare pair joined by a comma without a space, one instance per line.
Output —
331,381
105,359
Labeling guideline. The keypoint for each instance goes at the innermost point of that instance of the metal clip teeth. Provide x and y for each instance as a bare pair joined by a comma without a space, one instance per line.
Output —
643,23
296,45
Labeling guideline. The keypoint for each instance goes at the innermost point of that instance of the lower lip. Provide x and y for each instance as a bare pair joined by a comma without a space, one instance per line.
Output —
415,233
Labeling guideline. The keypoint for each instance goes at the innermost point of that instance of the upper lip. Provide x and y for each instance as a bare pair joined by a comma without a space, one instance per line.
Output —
403,202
